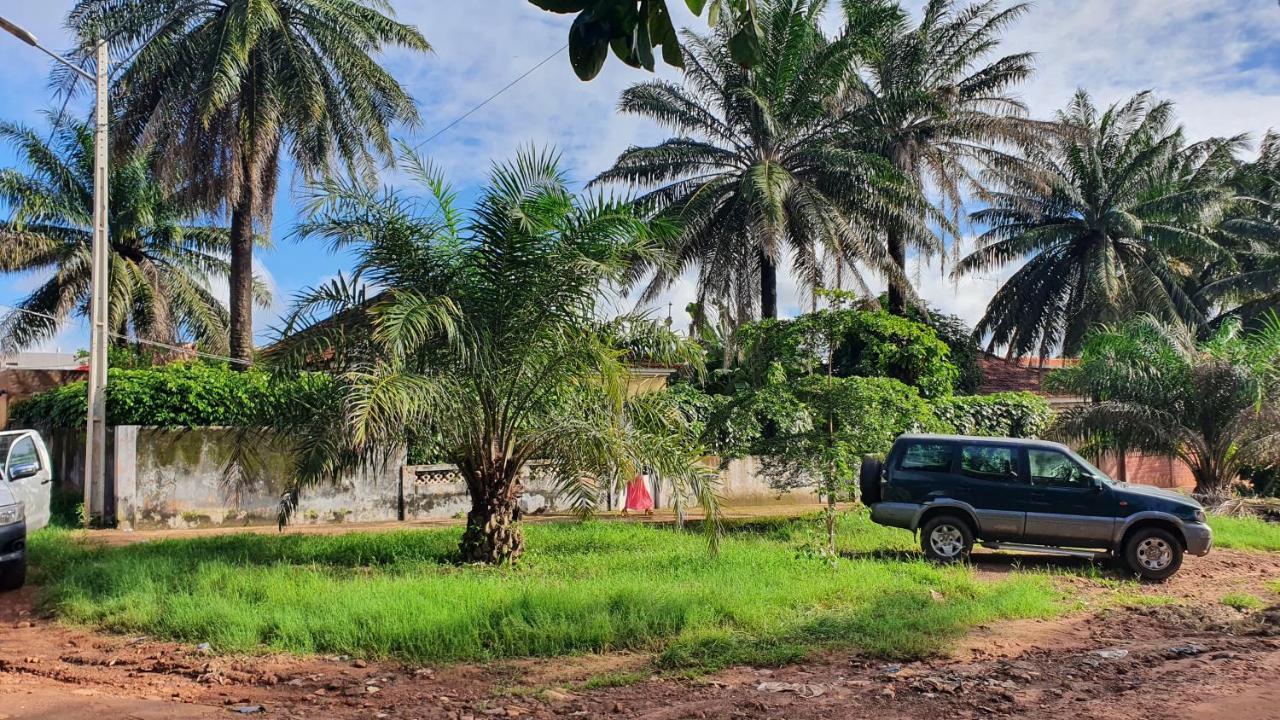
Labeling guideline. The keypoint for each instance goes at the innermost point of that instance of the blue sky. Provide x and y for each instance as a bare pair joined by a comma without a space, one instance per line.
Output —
1218,60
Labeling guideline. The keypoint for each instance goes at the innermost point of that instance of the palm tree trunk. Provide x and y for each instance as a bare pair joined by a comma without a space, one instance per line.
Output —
494,534
768,286
898,254
242,276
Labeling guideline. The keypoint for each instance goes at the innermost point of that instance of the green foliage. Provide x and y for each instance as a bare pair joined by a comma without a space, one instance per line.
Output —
581,588
191,394
1242,601
868,344
1215,405
963,345
1245,533
1011,414
161,260
633,29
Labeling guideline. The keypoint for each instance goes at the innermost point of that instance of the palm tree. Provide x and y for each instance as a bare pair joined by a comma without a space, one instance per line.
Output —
485,336
160,260
1106,220
1249,287
759,167
930,103
223,88
1215,406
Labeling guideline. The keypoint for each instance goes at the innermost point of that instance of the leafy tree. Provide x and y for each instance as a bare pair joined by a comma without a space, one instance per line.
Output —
1215,406
223,88
931,102
485,336
1104,216
634,28
866,344
760,166
161,260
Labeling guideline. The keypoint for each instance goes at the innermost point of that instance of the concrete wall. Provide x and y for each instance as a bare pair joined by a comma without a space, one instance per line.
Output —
209,477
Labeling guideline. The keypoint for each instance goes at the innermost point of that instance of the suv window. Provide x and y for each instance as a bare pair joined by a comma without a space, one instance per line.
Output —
989,462
23,452
926,457
1053,469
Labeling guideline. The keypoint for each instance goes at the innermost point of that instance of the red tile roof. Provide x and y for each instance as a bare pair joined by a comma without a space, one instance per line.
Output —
1018,374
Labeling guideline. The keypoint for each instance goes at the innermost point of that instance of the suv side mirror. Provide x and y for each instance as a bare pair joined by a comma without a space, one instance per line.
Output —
1095,483
23,470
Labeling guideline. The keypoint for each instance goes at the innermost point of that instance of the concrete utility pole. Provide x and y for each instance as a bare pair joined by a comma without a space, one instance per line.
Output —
95,464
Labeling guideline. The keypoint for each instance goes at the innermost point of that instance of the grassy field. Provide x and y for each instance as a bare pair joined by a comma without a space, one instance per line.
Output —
587,587
1245,533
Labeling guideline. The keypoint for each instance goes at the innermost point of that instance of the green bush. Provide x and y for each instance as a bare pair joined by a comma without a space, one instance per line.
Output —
870,344
1012,414
194,394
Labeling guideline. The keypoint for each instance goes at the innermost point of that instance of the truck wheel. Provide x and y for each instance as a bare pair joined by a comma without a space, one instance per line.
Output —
946,539
869,479
13,575
1153,553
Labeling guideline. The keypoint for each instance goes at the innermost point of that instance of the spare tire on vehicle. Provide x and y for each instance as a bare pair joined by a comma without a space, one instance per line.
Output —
869,479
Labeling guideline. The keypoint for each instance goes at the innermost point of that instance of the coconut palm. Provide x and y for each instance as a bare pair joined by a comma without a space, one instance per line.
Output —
1107,221
758,167
1215,406
1249,287
224,88
484,335
161,260
931,102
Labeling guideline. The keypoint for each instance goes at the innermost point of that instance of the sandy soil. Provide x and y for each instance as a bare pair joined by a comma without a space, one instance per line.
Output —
1198,659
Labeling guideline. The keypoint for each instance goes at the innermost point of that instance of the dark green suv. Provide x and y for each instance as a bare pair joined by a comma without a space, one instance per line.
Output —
1028,495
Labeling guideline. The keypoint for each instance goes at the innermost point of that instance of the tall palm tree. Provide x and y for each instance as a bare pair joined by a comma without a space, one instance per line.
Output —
758,167
223,88
1106,220
484,335
1249,288
160,260
930,102
1215,406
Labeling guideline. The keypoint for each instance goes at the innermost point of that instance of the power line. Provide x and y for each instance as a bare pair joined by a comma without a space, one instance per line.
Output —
138,340
492,97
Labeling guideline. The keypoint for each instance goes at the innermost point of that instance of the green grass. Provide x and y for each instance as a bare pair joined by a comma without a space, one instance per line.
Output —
1245,533
580,588
1274,586
1242,601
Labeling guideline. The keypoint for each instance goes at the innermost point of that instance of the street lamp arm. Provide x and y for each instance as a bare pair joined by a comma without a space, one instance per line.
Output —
26,37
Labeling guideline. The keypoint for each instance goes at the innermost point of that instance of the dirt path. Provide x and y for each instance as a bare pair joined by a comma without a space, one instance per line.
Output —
1197,659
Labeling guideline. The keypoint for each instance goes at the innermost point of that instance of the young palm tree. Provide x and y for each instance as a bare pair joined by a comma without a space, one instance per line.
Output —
1215,406
223,88
484,335
160,260
759,168
930,102
1106,220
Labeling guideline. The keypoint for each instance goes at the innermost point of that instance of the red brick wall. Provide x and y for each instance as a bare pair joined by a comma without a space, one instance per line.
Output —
1143,469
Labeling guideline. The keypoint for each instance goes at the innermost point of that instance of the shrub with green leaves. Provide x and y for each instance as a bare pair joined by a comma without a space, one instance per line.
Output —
193,394
1009,414
868,344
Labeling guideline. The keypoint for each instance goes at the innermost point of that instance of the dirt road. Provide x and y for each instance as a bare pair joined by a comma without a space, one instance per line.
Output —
1194,659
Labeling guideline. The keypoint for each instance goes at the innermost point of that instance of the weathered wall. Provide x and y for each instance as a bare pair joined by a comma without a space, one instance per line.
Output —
186,478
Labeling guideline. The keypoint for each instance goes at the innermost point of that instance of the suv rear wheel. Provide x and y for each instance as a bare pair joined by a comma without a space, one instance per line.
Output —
1153,553
946,539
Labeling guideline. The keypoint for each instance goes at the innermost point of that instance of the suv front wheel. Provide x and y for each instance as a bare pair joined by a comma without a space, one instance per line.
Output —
1153,553
946,539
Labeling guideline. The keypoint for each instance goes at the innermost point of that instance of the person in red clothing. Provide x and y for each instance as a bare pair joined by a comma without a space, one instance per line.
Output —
638,497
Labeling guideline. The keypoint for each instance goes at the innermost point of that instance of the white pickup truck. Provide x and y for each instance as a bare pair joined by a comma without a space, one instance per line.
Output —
24,500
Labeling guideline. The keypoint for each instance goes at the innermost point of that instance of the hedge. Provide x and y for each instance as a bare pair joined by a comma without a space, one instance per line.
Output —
1009,414
194,394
